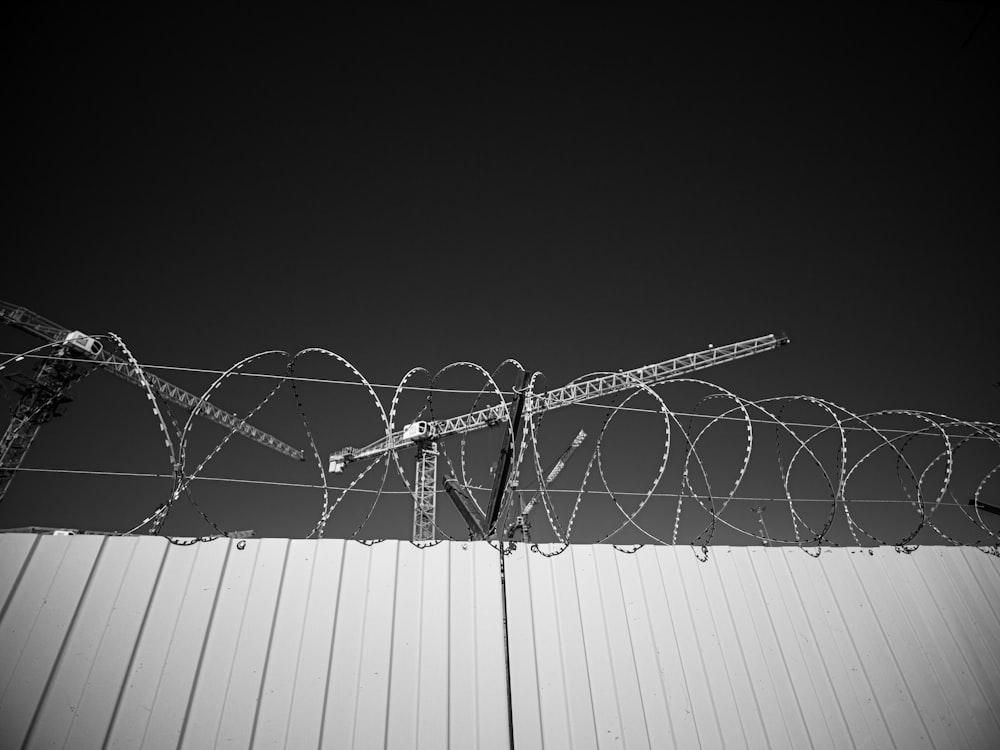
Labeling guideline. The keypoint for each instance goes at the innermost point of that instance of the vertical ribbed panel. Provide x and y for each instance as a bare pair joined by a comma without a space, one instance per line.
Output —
757,647
132,642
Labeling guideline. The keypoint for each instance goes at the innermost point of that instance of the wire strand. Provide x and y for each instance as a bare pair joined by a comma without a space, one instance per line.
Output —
636,409
299,485
296,378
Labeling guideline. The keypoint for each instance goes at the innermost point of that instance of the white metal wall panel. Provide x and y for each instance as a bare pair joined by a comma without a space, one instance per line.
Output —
33,635
132,642
756,647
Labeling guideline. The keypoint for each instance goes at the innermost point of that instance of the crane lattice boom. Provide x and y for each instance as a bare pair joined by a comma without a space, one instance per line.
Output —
574,393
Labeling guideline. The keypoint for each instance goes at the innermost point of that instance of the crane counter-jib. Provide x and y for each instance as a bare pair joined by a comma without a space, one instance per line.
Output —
574,393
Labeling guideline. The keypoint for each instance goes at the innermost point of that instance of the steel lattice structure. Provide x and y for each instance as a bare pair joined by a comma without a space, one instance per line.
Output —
41,397
425,487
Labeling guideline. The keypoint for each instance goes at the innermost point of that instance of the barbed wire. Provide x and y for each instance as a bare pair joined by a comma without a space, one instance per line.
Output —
925,484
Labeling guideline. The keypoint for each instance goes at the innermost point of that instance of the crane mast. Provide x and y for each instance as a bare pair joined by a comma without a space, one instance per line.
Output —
41,399
51,378
423,433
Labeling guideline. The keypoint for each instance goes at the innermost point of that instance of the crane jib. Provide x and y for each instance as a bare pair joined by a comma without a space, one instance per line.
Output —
574,393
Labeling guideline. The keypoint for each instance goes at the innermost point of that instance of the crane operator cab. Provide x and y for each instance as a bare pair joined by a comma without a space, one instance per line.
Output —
83,343
339,459
417,431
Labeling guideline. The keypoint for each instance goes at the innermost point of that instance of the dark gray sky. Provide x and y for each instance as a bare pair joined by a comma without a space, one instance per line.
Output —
585,195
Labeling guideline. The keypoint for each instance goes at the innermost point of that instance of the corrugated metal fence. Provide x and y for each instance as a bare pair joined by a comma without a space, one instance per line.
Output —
131,642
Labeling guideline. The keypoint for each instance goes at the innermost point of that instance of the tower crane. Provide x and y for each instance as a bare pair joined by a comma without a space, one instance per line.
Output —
44,393
425,435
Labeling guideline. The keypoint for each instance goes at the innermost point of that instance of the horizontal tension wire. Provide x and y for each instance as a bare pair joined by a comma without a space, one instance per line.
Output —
297,485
